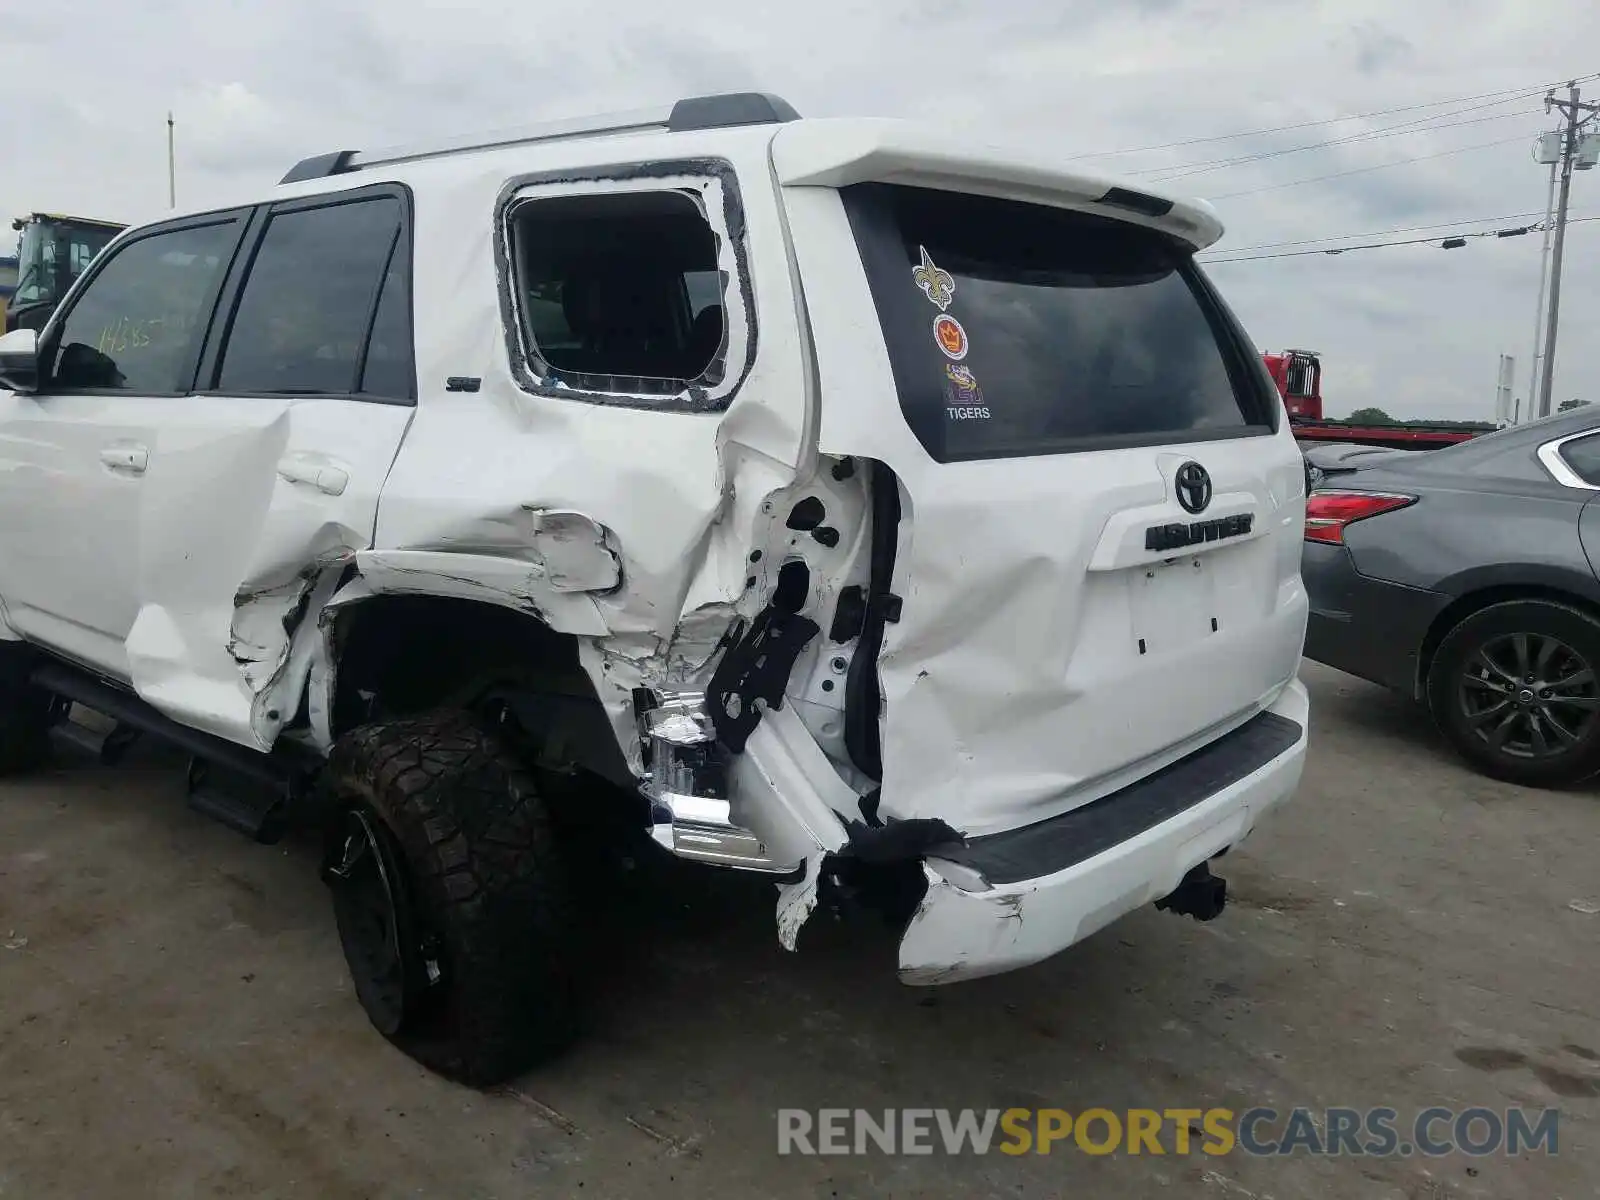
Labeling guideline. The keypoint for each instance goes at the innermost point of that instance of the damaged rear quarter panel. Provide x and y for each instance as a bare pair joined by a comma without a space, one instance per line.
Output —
677,494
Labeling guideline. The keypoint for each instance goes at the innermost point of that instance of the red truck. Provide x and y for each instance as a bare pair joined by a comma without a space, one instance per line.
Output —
1298,374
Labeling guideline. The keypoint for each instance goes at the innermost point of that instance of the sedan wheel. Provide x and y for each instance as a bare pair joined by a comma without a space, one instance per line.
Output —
1515,687
1529,696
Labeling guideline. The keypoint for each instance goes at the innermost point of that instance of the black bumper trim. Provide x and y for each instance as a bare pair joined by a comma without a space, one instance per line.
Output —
1074,837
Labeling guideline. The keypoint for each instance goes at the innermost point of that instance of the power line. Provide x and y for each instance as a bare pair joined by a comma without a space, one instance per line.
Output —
1163,174
1273,187
1378,233
1452,242
1513,232
1508,93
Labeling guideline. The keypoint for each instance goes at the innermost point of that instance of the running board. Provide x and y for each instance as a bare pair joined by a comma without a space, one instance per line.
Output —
701,829
246,805
246,790
106,744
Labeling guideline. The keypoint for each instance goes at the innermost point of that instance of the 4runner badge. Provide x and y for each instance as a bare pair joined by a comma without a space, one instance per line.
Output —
951,337
936,283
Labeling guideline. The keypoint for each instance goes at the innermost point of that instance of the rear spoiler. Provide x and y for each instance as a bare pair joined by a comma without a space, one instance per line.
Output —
838,153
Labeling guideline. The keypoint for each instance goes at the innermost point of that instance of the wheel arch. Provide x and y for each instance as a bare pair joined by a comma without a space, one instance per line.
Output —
401,654
1555,591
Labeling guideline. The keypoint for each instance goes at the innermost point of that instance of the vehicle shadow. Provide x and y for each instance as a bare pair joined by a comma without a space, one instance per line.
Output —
1349,714
692,961
1361,710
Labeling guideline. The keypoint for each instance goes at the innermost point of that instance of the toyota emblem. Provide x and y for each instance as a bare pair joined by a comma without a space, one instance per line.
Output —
1194,487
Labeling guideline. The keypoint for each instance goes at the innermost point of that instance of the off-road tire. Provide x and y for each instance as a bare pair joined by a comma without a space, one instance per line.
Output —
1496,628
485,886
24,714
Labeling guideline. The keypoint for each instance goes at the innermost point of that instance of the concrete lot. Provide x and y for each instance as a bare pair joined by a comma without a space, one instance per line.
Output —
175,1018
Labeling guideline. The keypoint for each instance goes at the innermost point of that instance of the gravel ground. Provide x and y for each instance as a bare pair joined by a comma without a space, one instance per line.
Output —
175,1018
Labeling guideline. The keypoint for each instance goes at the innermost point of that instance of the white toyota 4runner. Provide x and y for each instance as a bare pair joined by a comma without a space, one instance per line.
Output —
889,515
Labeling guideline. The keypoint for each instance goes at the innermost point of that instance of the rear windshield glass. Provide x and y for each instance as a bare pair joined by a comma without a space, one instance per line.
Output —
1016,329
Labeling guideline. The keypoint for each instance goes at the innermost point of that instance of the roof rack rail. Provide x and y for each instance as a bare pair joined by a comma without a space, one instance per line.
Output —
694,112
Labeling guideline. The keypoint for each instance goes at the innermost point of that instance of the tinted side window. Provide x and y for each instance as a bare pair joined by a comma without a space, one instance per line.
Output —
309,299
388,370
137,324
1019,329
621,293
1583,456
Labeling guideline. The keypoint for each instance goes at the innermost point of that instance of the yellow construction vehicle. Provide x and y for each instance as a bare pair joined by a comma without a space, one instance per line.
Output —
52,252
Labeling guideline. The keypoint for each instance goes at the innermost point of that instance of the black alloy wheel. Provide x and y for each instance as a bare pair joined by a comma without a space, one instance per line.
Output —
371,906
1529,695
1515,687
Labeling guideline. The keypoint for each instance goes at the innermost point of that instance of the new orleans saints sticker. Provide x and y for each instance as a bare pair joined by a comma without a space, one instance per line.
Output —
937,284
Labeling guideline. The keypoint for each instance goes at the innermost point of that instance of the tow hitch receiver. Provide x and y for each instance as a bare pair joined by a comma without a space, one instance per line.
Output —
1201,895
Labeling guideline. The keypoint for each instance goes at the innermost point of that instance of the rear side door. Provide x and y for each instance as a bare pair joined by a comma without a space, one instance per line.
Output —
264,482
75,457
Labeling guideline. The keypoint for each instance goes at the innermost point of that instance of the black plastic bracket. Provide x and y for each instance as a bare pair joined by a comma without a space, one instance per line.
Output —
755,671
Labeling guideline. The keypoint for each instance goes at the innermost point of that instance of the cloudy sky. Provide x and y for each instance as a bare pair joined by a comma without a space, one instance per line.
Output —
1416,330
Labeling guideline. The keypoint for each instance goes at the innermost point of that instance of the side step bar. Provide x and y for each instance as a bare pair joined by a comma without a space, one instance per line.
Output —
244,789
245,805
106,746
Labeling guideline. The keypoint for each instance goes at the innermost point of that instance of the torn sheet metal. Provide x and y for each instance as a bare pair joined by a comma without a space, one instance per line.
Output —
263,624
573,552
797,901
491,579
277,699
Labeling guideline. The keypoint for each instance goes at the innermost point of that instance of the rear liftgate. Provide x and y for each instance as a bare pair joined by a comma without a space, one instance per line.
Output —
1096,568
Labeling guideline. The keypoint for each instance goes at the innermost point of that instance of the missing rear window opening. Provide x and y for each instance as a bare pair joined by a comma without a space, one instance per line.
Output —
621,292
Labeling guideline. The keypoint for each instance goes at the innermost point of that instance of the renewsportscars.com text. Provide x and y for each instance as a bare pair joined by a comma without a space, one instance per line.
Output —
1354,1132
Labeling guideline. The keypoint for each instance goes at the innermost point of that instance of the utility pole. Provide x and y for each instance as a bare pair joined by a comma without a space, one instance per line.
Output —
1537,356
172,167
1502,396
1578,115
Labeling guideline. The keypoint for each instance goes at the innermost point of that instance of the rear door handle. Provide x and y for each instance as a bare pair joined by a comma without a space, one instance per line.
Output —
126,456
298,468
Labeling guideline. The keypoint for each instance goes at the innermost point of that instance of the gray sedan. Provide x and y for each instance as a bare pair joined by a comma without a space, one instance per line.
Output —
1463,578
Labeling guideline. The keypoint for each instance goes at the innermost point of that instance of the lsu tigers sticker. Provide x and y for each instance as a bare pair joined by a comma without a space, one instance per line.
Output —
965,396
937,284
964,384
950,336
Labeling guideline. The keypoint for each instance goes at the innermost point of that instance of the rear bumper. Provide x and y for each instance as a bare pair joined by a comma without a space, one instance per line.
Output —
968,927
1368,627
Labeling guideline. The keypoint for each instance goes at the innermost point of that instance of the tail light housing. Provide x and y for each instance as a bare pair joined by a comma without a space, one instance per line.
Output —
1328,513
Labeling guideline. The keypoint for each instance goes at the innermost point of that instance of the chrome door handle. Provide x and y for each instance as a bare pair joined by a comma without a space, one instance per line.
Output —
127,457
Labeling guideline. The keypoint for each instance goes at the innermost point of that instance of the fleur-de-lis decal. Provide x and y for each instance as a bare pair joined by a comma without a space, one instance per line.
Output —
936,283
